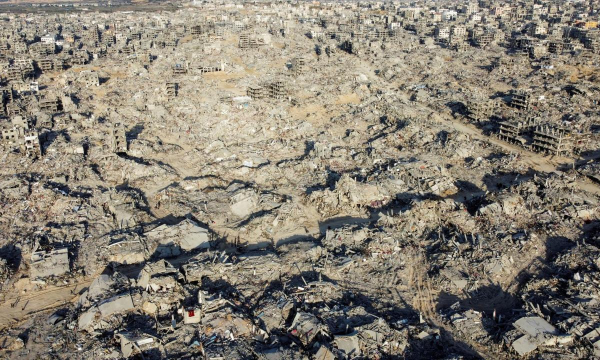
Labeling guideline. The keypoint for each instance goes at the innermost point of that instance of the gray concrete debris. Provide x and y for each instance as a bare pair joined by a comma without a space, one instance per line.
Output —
49,263
305,327
299,180
186,236
537,332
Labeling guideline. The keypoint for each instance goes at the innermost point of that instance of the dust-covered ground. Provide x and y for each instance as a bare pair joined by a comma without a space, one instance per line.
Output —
357,213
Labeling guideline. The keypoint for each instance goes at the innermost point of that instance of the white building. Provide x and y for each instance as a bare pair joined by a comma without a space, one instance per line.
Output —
459,31
476,18
49,39
449,15
471,8
442,32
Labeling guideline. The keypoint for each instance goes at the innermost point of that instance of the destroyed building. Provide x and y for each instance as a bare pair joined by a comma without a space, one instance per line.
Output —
118,138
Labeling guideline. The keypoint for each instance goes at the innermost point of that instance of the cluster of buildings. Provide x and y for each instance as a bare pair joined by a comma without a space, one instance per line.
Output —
246,176
33,44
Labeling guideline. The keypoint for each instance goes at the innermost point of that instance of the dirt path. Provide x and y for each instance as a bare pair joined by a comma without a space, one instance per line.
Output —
17,308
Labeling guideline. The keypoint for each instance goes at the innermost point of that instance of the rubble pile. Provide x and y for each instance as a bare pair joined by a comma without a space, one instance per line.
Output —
324,180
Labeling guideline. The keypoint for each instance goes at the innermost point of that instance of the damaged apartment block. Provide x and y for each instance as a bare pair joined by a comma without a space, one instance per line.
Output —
45,64
208,69
552,140
481,110
11,135
511,132
31,143
298,65
255,92
118,138
172,89
20,135
520,99
274,90
89,78
277,90
179,69
251,41
49,104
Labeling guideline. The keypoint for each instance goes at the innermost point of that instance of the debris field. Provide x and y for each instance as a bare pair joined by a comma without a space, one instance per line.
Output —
300,180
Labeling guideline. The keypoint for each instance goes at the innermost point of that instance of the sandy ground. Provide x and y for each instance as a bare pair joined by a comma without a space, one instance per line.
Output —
15,308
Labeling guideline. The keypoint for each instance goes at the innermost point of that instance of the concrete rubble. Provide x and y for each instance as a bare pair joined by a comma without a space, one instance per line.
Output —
299,180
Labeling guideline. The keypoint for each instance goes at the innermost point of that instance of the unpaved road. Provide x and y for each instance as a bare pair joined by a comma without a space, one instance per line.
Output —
18,308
